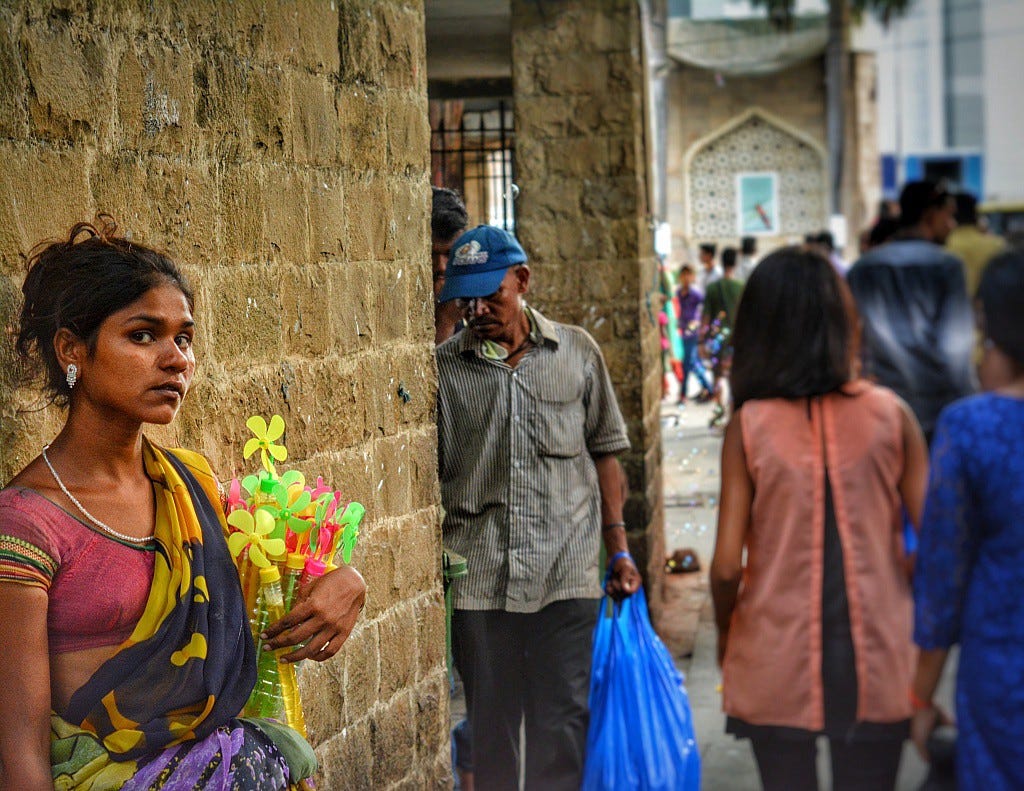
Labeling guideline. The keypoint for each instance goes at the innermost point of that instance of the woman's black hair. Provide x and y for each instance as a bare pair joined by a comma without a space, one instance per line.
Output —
795,334
76,284
1001,293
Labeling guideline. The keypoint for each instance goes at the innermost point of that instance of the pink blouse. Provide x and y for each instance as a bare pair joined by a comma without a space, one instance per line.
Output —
772,667
97,585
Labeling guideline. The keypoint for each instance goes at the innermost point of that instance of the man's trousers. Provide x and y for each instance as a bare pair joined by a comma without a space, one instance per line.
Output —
532,668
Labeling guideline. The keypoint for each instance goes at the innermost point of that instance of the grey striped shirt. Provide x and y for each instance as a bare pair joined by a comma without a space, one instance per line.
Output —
518,481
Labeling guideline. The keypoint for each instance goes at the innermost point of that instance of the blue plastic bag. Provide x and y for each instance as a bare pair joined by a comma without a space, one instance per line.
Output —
641,729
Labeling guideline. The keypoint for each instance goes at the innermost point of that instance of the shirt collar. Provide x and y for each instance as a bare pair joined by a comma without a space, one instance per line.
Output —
541,331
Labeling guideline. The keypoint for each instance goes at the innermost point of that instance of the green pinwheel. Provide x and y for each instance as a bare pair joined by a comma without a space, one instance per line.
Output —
264,441
290,501
254,534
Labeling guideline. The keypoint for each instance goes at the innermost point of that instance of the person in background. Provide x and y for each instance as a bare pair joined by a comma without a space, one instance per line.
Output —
688,304
969,584
448,219
884,229
827,243
971,243
811,595
748,257
913,302
127,650
717,318
708,272
528,432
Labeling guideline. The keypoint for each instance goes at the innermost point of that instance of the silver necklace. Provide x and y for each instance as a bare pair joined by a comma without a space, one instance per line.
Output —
86,514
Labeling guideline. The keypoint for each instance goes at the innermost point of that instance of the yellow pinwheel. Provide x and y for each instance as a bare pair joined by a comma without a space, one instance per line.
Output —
264,439
254,533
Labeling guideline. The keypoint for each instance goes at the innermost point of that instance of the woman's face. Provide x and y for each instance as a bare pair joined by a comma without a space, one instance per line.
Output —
142,363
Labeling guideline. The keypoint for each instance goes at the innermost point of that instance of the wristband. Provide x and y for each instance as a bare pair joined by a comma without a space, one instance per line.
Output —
916,703
612,526
617,556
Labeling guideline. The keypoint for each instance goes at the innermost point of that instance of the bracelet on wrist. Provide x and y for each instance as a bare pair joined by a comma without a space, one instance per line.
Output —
612,525
618,556
916,703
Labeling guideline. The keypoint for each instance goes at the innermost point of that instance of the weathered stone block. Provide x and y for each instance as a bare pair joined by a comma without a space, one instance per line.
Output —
286,199
430,623
397,647
361,657
327,213
411,200
432,719
243,212
317,37
346,761
393,736
360,50
71,73
408,133
402,46
31,179
13,79
416,539
155,99
247,302
361,127
572,74
306,309
321,685
313,115
369,228
185,207
268,110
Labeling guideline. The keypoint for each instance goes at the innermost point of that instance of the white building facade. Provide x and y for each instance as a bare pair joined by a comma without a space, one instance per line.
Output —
951,96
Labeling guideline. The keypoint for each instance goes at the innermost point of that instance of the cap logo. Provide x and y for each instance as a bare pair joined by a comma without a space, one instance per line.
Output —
470,253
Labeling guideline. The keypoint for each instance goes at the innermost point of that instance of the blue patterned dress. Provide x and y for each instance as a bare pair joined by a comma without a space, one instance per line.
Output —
969,584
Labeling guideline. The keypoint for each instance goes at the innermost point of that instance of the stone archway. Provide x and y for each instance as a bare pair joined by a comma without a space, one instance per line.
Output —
755,142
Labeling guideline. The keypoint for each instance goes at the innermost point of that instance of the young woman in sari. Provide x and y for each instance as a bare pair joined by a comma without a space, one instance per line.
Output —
127,652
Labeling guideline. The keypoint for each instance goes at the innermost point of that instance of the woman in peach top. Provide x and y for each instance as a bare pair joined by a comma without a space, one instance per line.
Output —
814,620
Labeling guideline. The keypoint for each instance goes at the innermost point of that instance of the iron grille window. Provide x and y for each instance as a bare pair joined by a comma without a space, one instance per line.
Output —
473,151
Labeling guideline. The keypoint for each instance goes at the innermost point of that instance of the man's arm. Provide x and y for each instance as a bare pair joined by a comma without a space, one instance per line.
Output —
625,577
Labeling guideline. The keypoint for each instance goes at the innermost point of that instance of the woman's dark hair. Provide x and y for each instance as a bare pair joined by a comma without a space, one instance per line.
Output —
1001,293
795,333
76,284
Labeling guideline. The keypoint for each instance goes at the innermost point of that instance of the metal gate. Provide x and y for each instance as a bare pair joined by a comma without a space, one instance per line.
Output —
472,150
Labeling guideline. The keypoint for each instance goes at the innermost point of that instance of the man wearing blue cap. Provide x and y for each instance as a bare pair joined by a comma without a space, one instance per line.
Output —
528,429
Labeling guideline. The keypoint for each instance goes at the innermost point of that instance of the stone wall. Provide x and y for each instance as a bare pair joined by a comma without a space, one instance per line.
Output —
583,217
699,104
279,151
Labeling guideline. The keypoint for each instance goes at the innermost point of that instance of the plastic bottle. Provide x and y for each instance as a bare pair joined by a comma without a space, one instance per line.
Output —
277,690
314,568
290,583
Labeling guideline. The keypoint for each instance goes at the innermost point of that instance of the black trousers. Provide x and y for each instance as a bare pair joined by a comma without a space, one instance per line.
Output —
532,668
790,764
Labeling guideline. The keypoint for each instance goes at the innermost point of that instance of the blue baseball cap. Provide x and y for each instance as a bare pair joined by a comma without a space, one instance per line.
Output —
478,262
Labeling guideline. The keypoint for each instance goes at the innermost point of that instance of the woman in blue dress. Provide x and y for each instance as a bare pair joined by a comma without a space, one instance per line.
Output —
969,583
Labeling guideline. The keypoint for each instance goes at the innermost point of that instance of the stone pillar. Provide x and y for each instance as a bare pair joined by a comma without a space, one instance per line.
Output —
280,153
583,218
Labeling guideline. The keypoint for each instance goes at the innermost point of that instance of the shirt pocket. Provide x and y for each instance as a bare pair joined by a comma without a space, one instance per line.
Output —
558,424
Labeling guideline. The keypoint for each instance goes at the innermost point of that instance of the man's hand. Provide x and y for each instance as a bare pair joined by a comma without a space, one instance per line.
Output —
323,616
625,579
